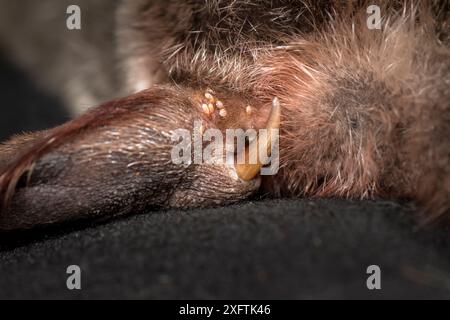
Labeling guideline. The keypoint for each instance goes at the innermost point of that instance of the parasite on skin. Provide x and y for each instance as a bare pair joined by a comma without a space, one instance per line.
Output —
360,113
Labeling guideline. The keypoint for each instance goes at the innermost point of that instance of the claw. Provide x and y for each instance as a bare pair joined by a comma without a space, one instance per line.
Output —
247,171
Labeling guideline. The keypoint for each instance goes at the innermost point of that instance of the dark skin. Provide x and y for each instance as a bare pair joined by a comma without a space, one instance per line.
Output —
113,161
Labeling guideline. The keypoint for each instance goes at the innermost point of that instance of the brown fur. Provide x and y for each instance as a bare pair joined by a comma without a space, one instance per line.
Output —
366,113
379,103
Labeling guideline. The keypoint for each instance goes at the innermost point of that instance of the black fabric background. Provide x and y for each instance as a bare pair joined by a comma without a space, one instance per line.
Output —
260,249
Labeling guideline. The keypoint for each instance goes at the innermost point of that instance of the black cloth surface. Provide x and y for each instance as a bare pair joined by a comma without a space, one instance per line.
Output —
265,249
269,249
